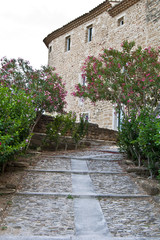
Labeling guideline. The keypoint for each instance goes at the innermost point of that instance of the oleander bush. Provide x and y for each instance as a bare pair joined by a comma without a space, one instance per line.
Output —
17,114
130,79
25,94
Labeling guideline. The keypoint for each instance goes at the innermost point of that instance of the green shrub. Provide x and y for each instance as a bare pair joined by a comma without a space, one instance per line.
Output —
58,128
17,114
64,125
139,137
79,131
147,140
128,135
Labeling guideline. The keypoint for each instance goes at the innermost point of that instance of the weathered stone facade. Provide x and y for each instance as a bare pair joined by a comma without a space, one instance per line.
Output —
111,23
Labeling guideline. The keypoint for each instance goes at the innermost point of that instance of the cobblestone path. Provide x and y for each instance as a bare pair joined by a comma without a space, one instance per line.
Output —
81,196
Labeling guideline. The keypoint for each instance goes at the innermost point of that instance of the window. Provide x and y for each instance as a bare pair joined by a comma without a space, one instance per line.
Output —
50,49
120,21
68,43
83,80
117,118
89,33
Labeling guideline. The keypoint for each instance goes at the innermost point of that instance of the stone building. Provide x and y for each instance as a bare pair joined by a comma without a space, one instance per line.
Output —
105,26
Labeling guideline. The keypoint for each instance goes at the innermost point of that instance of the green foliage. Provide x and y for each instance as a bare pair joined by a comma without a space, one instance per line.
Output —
44,85
64,125
158,177
61,124
148,139
70,197
4,228
130,79
17,113
79,131
128,135
139,137
25,93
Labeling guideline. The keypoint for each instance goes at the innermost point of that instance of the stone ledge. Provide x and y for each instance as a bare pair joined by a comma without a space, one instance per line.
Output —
84,237
74,171
151,188
70,194
94,131
141,171
5,191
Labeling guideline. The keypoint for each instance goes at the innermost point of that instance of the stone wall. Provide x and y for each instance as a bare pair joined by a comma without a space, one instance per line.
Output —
141,24
153,22
94,132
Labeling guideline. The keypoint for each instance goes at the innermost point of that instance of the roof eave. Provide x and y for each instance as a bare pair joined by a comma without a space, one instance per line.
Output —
122,6
105,6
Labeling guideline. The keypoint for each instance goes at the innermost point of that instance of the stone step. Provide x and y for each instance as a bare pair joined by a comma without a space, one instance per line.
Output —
88,237
94,158
81,211
7,237
73,171
82,195
111,238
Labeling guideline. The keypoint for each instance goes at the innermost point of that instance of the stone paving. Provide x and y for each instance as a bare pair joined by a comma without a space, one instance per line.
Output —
53,163
40,216
135,217
45,206
47,182
116,184
104,166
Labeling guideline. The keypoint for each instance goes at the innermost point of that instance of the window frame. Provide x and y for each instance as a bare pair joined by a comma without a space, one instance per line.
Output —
89,33
68,43
82,80
50,49
120,21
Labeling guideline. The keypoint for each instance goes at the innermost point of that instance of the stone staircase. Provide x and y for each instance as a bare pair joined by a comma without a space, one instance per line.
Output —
83,195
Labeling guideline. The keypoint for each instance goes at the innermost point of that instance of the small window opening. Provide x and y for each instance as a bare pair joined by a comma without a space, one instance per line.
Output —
83,80
68,43
121,21
89,33
50,49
